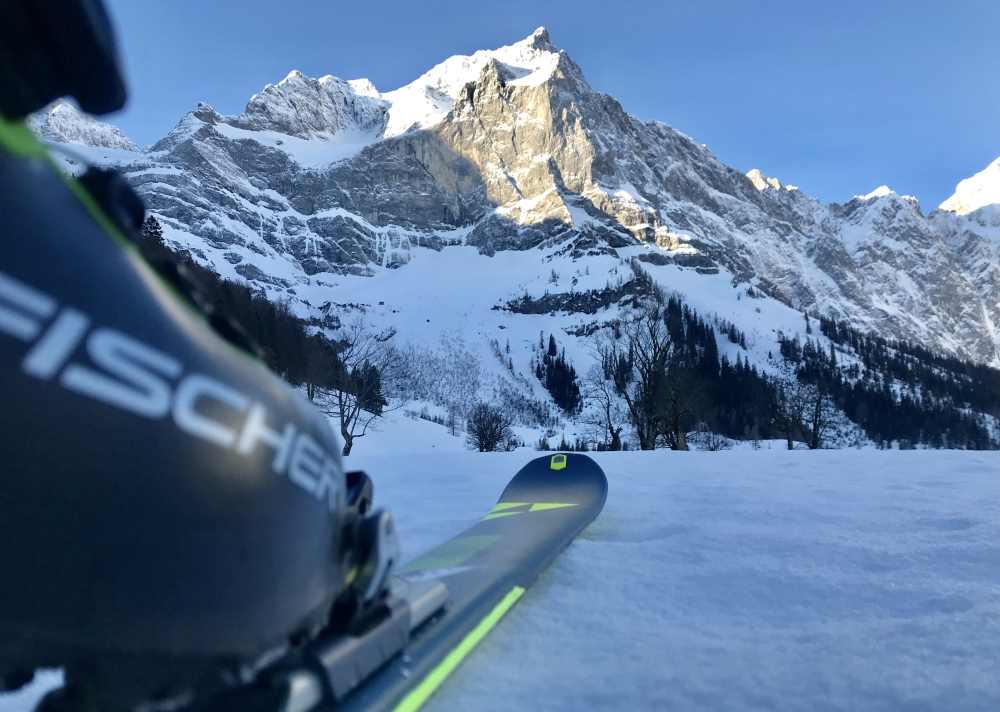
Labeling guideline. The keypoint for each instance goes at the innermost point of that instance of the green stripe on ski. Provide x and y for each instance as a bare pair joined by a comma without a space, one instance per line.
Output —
455,553
504,506
497,515
503,509
429,685
545,506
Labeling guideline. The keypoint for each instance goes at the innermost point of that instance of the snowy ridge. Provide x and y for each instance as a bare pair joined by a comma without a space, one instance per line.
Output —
427,100
976,192
510,149
762,182
62,122
883,191
307,108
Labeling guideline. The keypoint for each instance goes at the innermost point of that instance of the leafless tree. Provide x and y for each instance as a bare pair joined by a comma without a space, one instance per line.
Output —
606,414
489,427
820,412
681,399
355,395
802,410
788,411
635,364
661,394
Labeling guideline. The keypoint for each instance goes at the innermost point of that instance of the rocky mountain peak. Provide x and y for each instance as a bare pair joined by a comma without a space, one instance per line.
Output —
305,107
428,99
539,39
762,182
510,149
883,191
61,122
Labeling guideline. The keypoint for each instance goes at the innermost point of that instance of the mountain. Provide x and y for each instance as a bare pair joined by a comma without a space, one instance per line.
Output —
63,123
540,198
512,149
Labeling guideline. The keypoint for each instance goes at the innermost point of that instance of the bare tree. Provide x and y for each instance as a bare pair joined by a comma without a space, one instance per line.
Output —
489,427
662,394
820,411
321,367
682,399
803,411
635,364
355,393
606,416
788,413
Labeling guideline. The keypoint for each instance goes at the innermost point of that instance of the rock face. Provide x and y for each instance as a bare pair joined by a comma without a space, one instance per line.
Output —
510,149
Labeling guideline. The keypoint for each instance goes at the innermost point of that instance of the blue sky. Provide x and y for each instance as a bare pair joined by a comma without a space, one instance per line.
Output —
835,97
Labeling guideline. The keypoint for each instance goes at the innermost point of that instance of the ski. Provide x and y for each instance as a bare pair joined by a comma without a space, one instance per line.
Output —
486,569
440,605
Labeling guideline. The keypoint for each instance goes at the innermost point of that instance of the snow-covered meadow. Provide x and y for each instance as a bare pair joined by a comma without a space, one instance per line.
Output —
744,579
823,580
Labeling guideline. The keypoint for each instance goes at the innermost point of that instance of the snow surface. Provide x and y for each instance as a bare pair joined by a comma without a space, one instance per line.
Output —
742,580
825,580
314,152
881,192
61,122
428,99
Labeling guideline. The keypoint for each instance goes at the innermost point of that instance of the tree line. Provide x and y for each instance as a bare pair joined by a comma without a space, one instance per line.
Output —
659,374
897,392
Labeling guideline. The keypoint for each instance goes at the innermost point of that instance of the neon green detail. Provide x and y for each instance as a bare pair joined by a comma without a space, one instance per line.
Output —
558,462
453,553
429,685
502,506
17,138
497,515
542,506
99,216
501,510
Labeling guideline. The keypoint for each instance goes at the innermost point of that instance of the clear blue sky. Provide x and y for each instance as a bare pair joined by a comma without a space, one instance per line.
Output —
835,97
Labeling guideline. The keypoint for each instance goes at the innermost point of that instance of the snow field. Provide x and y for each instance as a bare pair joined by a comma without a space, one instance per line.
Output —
768,579
829,580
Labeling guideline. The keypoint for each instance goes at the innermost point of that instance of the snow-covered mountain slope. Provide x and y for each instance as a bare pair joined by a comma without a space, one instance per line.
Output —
428,99
63,123
825,580
512,150
976,191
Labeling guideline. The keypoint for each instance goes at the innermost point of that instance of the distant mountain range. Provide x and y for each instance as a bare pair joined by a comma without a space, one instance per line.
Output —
512,150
